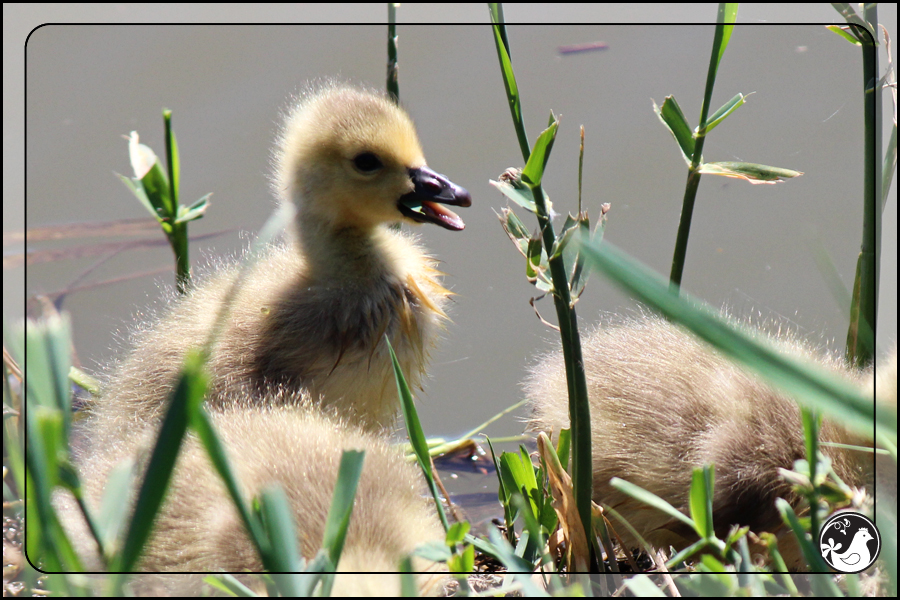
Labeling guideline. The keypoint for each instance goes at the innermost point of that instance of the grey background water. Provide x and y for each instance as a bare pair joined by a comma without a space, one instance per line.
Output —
87,85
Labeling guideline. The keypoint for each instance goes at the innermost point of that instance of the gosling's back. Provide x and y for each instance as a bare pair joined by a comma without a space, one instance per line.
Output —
299,449
663,403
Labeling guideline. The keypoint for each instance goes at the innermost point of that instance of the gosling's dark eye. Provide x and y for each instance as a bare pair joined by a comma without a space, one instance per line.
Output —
367,162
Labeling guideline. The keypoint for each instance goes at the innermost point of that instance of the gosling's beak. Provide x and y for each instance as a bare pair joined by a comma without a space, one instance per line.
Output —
431,190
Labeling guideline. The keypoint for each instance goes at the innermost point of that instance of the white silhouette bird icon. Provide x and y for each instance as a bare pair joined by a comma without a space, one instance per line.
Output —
856,556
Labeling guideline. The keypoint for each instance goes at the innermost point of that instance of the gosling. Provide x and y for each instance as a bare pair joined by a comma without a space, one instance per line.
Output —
299,448
663,403
311,315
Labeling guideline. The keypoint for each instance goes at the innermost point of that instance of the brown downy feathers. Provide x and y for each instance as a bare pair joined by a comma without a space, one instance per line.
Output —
297,448
311,315
663,403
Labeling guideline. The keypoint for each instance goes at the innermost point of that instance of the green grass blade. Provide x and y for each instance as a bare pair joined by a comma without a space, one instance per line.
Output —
751,172
156,186
463,562
37,524
48,356
569,228
202,426
45,358
864,309
839,292
83,380
191,387
39,388
530,526
172,160
515,229
562,448
342,503
726,15
194,211
408,587
416,435
509,77
12,433
843,32
680,557
811,423
810,551
501,549
457,532
811,384
537,259
723,112
725,18
533,172
671,115
529,479
503,494
155,192
53,439
114,504
642,587
319,569
651,499
393,70
50,544
138,190
278,523
517,473
700,498
59,348
229,585
512,472
520,196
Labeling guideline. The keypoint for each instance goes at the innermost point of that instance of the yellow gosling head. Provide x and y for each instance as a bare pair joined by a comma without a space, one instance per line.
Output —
351,158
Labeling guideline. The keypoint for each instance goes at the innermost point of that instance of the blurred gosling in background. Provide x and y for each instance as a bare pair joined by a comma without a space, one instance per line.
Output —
663,403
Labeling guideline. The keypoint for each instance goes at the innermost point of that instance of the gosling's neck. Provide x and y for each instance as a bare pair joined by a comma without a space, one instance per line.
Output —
340,252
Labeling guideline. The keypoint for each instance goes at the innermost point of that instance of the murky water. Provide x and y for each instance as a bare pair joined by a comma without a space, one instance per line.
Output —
751,249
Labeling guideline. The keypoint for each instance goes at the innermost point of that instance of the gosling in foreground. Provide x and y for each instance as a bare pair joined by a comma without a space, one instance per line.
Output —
199,530
663,403
300,370
311,315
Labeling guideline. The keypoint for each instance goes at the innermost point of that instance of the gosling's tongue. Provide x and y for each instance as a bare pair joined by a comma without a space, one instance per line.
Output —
431,191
